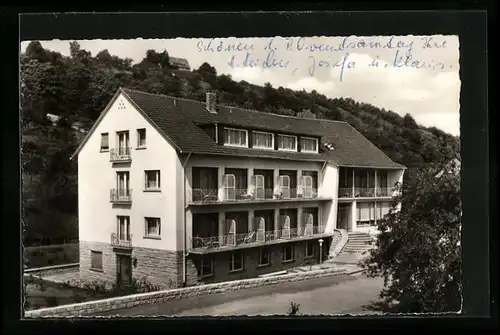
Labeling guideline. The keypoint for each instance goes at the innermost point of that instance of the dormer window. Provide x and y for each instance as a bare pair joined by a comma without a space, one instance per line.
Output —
262,140
235,137
287,142
309,144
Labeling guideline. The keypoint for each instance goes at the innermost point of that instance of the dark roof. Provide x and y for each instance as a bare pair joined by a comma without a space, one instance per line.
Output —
179,62
179,121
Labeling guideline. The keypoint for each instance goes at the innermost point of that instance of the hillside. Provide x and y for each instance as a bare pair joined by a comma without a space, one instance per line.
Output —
78,87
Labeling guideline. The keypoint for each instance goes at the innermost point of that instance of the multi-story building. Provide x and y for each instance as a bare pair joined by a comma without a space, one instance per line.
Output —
184,192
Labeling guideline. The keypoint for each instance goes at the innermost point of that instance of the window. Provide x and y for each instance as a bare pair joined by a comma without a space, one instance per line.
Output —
264,257
263,140
124,228
309,144
287,142
141,138
206,266
236,261
366,214
288,253
104,142
152,180
309,249
96,260
235,137
153,227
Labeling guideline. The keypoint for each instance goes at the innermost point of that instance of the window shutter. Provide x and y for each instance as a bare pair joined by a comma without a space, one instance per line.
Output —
308,219
285,186
105,141
229,183
307,186
231,232
258,182
364,214
285,231
261,229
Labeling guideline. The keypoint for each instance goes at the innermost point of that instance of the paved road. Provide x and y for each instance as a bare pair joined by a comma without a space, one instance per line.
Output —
335,295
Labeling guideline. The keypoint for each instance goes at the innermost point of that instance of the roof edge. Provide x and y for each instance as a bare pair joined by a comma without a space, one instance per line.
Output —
373,145
243,109
96,123
146,116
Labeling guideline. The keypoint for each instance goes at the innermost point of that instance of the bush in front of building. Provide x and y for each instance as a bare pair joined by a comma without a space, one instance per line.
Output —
294,309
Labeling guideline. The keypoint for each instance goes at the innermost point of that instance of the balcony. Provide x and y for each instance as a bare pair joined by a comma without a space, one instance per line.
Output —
120,155
121,241
230,195
364,192
121,196
255,238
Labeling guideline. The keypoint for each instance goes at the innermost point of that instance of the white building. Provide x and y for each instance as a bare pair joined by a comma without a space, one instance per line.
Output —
184,192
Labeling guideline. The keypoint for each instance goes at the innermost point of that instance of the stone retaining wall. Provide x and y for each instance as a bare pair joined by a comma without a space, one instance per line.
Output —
340,239
52,270
90,307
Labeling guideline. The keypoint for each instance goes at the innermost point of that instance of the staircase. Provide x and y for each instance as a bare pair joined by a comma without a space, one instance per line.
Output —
355,249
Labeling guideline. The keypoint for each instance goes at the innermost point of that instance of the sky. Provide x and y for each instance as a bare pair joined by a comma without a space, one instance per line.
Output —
418,75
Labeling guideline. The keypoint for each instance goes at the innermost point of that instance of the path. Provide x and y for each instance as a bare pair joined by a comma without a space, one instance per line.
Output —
334,295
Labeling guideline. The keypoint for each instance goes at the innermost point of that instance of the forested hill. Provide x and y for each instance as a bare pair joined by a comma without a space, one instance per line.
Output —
77,88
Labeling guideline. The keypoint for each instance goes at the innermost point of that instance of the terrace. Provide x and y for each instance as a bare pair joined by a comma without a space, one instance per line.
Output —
363,183
235,233
238,188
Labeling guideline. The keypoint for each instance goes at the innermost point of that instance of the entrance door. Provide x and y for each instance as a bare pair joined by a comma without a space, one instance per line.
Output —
344,218
124,270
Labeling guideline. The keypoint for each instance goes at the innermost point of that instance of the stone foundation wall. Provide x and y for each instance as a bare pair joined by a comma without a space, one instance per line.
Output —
108,272
159,267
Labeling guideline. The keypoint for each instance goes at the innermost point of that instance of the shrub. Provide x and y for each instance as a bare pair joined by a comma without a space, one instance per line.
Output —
96,287
294,309
137,286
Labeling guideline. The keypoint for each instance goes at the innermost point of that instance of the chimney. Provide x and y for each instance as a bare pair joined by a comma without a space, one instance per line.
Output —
211,101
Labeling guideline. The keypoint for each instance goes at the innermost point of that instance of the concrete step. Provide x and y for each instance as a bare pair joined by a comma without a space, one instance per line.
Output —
359,239
350,248
359,244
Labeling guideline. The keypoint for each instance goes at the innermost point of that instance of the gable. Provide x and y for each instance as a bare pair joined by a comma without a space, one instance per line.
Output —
120,114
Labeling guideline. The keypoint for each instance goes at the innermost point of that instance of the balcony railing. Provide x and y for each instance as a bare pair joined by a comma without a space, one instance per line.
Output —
363,192
121,196
121,240
255,237
207,196
122,154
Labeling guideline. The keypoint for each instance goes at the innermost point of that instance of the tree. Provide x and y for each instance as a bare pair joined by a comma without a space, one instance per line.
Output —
418,249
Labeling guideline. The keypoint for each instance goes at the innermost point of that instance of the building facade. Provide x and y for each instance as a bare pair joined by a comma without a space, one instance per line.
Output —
181,192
